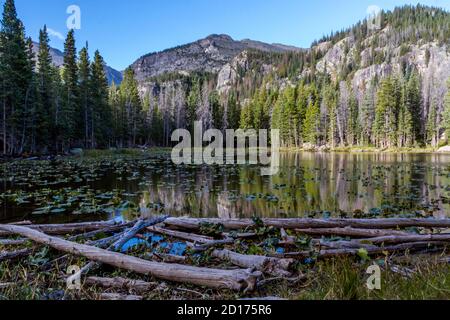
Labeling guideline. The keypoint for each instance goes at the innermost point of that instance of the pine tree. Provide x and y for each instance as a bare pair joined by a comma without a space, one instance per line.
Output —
14,77
42,122
446,115
129,96
193,103
413,101
311,124
367,116
86,111
68,121
216,110
233,112
101,119
432,126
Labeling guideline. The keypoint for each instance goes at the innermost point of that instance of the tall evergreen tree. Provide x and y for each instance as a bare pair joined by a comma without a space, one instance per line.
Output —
129,96
86,110
446,116
68,122
14,77
101,119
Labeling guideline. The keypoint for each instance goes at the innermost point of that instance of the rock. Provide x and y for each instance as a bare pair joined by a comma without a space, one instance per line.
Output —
445,149
76,152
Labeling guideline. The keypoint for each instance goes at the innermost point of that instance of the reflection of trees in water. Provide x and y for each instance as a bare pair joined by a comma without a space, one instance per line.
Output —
307,182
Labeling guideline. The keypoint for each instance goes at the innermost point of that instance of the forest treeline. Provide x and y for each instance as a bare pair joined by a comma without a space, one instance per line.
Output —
46,109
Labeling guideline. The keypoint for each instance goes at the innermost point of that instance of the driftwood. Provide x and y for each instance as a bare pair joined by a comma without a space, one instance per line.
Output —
22,223
407,238
121,283
17,242
239,280
236,224
64,229
7,285
138,227
120,297
169,258
329,253
124,238
350,232
12,255
108,230
272,266
181,235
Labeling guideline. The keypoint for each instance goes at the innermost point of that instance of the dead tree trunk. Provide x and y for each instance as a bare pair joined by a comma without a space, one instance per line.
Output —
239,280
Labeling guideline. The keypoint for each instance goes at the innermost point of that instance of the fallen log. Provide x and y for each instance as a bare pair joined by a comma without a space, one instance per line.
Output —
108,230
12,255
272,266
124,237
169,258
119,297
22,223
17,242
181,235
236,224
239,280
350,232
64,229
121,283
329,253
6,285
393,239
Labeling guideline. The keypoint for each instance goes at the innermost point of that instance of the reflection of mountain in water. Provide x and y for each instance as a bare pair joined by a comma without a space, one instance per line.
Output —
307,183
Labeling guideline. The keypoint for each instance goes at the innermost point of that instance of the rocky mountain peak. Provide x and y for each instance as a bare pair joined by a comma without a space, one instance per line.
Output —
210,54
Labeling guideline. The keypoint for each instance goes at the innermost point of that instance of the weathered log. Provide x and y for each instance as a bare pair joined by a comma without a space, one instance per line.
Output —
272,266
22,223
108,230
6,285
70,228
138,227
12,255
120,297
121,283
181,235
350,232
169,258
329,253
236,224
393,239
240,280
370,242
124,238
17,242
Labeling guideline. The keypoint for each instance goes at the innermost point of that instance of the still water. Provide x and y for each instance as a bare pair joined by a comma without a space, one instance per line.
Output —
307,185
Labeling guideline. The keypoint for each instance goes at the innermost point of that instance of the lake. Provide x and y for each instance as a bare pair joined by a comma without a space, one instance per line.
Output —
319,185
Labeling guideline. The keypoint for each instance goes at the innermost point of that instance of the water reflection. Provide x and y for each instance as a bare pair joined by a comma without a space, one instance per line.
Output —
307,183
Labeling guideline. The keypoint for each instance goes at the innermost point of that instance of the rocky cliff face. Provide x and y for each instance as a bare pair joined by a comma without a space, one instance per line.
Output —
58,60
431,60
206,55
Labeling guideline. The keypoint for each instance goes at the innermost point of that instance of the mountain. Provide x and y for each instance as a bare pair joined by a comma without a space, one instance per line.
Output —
411,42
205,55
58,61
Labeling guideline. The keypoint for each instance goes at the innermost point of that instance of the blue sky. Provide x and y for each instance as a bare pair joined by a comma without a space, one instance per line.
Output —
126,30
